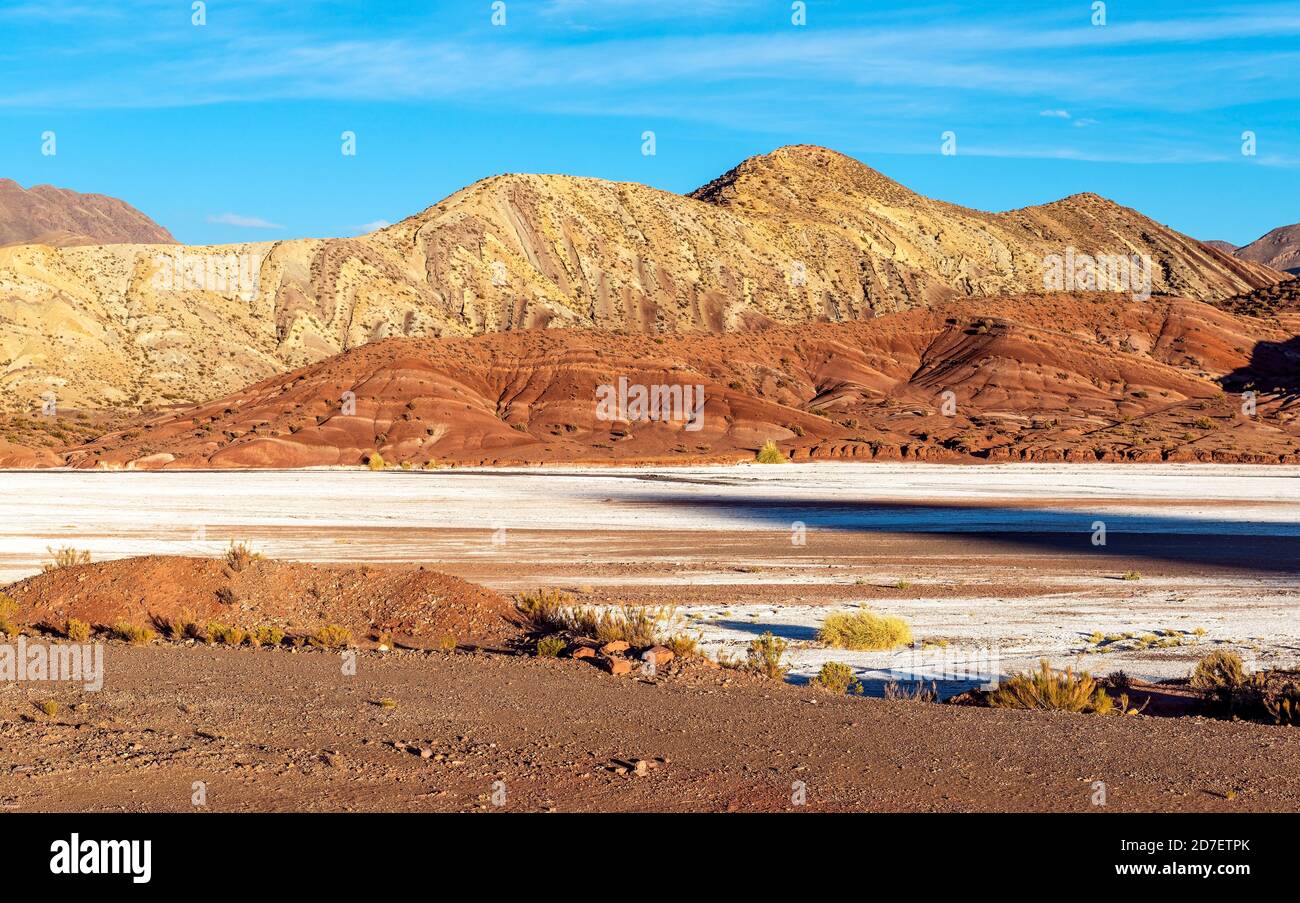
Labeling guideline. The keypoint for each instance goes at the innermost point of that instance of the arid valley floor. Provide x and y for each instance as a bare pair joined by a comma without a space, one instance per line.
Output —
976,558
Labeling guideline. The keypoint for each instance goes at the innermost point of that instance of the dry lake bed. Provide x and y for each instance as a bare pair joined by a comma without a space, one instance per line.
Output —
1139,568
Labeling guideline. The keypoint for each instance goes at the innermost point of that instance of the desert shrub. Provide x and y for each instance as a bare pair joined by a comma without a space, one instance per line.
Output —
1261,696
683,645
76,630
65,557
225,595
545,610
837,678
264,635
139,636
8,615
49,707
1132,575
376,461
554,611
863,630
448,643
239,556
635,625
1277,693
1219,675
551,646
765,656
913,692
224,634
1062,691
331,636
770,454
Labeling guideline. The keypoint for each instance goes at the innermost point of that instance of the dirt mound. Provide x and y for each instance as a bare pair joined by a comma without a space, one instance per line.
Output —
414,604
1045,378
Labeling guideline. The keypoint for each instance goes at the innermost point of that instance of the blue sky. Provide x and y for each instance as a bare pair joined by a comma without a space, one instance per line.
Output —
230,131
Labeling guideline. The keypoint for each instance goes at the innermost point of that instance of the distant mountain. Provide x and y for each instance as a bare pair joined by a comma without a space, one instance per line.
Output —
1226,247
800,235
1279,249
60,217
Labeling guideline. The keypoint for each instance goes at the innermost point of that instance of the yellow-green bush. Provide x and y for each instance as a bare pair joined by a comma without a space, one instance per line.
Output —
837,678
65,557
861,630
551,646
770,454
766,656
331,636
8,615
124,630
1055,690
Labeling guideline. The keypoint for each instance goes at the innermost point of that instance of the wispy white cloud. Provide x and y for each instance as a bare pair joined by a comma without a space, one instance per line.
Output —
242,222
1010,59
925,71
587,11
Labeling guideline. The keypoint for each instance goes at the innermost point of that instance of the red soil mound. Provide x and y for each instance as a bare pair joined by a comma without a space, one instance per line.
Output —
1041,377
408,603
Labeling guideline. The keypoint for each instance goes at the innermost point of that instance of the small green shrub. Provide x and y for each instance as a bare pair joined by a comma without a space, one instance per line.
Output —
1278,694
551,646
1219,675
837,678
65,557
139,636
264,635
545,610
239,556
683,645
770,454
76,630
224,634
863,630
331,636
8,615
1062,691
766,656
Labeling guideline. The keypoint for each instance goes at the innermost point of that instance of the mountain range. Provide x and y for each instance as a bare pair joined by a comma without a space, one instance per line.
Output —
800,235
